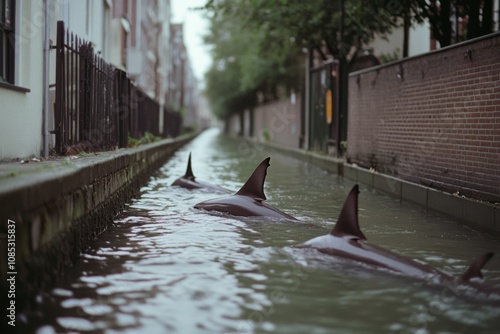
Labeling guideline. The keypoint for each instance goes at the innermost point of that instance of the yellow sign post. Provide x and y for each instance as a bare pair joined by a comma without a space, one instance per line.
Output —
329,103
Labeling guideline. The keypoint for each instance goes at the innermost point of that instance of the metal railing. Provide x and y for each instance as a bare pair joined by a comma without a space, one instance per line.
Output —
97,107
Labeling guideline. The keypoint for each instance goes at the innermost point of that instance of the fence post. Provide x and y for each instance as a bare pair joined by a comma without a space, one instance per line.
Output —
123,98
84,91
59,99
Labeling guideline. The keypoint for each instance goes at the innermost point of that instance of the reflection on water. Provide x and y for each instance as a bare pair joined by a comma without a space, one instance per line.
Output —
165,267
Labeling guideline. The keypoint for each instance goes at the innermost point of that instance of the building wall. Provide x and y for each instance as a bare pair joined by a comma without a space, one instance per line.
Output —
419,41
104,23
276,123
21,112
438,124
279,122
389,45
183,85
88,26
175,96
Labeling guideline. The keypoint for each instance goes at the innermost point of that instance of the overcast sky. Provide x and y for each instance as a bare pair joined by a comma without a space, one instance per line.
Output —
194,26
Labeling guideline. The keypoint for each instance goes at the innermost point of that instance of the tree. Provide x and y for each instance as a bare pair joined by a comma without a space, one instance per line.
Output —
245,63
260,42
315,24
263,40
439,14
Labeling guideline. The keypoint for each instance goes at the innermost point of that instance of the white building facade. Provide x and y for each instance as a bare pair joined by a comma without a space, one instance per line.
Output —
131,35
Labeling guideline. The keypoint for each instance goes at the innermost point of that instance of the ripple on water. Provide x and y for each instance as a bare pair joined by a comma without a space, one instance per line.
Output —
76,324
165,267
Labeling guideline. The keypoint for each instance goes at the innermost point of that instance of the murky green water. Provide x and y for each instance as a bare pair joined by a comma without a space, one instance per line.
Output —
164,267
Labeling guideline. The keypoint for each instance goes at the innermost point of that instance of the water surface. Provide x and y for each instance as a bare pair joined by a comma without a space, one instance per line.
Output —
164,267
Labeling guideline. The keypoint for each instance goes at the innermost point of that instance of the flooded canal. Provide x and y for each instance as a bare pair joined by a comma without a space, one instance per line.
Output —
164,267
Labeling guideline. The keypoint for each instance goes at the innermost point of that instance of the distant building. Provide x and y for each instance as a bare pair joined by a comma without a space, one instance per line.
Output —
420,37
183,93
392,45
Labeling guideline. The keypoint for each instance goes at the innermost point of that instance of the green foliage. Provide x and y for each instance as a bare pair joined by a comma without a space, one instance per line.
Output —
86,154
247,61
146,139
266,135
439,14
257,45
388,57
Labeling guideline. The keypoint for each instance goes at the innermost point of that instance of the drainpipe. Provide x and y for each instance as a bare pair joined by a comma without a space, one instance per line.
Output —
45,85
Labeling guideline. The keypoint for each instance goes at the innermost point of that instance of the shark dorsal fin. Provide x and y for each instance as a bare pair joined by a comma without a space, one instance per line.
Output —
189,172
347,224
474,270
254,187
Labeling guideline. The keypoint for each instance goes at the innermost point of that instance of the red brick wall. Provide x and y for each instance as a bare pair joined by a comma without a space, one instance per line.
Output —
439,125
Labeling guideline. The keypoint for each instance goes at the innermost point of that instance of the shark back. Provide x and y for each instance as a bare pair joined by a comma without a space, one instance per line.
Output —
248,200
254,187
189,172
347,225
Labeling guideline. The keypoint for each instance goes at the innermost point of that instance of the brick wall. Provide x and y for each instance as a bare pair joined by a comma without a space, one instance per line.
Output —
433,119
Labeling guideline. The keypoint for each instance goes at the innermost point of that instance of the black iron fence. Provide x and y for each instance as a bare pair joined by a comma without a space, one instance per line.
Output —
324,108
97,107
172,123
147,113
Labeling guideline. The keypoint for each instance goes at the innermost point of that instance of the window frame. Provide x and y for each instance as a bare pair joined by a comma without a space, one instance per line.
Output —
7,42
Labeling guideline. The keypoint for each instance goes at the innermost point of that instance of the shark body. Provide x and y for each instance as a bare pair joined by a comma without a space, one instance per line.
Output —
347,241
248,201
189,181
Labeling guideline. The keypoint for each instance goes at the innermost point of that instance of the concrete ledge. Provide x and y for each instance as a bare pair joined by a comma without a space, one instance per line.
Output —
497,219
481,215
350,172
414,193
60,206
445,203
478,212
365,177
388,184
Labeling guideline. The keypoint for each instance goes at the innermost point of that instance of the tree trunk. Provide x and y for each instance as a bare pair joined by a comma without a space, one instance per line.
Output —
473,27
487,23
406,35
444,17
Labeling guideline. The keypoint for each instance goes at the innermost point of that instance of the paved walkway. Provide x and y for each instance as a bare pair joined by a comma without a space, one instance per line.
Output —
24,184
18,174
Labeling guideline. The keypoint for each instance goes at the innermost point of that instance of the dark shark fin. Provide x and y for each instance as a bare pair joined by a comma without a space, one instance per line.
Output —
189,172
474,270
254,187
347,224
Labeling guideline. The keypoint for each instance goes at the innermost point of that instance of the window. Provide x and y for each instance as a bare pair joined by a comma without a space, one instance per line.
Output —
7,24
